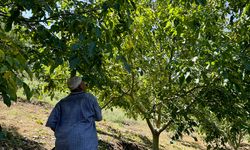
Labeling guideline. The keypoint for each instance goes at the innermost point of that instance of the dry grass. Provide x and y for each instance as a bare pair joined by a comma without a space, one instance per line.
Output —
26,121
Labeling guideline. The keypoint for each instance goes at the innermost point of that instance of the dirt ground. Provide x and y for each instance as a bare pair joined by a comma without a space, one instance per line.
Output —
23,128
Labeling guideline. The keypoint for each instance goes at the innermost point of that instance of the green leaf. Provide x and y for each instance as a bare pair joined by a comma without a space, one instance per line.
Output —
117,6
6,99
133,4
27,69
3,69
125,63
75,46
189,79
27,91
81,37
74,62
201,2
104,7
21,59
54,28
2,56
12,93
2,135
91,49
48,9
98,32
8,25
59,61
10,60
181,79
127,67
247,66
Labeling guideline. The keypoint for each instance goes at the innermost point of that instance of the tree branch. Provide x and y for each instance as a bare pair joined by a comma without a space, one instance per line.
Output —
158,122
185,93
150,125
3,14
6,4
113,98
105,105
165,126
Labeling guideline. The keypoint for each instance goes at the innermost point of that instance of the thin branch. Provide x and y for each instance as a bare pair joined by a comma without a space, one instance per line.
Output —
140,108
6,5
159,119
150,125
105,105
170,72
165,126
65,14
179,94
138,105
3,14
112,99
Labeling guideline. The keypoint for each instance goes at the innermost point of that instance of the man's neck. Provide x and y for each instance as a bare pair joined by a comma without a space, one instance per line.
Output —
77,90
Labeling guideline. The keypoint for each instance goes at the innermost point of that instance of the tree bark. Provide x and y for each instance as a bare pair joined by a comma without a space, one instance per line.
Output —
155,134
156,137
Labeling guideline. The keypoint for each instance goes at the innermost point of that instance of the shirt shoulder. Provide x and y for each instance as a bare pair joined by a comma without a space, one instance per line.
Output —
89,95
60,102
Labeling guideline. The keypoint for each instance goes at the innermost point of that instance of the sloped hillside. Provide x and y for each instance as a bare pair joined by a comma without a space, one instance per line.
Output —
23,128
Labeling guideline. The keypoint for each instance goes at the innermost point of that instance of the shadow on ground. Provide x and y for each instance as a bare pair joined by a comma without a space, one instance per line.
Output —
10,139
245,146
125,142
194,145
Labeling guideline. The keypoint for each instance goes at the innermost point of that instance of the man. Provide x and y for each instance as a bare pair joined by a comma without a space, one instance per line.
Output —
73,119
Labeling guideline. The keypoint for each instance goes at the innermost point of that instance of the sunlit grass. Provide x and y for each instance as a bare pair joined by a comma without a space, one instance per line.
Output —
117,115
42,98
116,118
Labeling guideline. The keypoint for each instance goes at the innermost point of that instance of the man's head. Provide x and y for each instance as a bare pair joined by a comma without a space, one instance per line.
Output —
76,84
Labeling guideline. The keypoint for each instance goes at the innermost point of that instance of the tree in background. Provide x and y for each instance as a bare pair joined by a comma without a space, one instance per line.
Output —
177,64
175,71
71,34
13,67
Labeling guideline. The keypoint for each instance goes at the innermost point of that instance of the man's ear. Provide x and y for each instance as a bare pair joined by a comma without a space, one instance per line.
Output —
80,86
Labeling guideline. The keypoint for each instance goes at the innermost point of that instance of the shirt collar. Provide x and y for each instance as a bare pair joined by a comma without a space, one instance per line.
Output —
74,93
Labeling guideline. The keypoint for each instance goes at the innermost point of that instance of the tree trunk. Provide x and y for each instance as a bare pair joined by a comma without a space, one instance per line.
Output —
156,133
156,137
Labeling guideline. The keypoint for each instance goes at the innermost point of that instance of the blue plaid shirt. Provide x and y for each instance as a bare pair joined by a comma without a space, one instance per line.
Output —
73,121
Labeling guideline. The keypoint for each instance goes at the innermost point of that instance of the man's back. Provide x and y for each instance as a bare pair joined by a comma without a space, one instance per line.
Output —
73,120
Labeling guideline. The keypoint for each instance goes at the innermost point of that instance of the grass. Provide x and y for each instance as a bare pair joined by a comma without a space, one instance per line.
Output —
42,98
116,130
117,115
116,127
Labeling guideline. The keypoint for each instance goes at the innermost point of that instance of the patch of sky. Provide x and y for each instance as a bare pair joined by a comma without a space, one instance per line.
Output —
27,14
175,75
231,16
87,1
194,59
47,24
154,27
197,81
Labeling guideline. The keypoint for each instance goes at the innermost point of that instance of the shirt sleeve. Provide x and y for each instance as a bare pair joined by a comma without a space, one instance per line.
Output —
54,118
97,109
